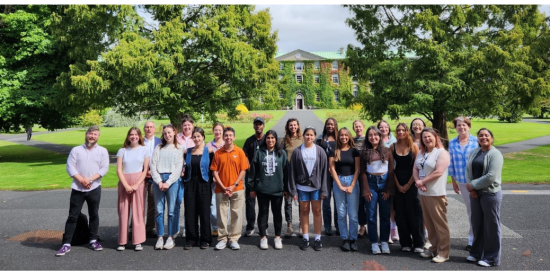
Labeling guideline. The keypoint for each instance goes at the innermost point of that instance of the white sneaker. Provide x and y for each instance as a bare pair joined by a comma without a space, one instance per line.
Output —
471,259
121,248
439,259
406,249
375,249
169,243
138,247
483,263
278,243
160,244
263,244
177,233
426,254
427,245
248,232
419,250
236,246
221,245
385,248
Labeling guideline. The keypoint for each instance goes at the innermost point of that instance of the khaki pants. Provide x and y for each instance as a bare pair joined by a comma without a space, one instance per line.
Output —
434,212
235,204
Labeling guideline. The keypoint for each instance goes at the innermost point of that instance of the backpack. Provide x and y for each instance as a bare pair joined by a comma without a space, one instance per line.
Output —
81,234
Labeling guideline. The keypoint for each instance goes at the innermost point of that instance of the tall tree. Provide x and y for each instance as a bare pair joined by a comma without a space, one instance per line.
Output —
202,59
38,43
446,60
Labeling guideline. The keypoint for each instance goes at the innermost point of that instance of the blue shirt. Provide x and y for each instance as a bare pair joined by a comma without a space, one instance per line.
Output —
459,158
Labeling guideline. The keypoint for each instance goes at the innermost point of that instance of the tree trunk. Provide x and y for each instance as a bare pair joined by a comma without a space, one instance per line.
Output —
440,124
175,119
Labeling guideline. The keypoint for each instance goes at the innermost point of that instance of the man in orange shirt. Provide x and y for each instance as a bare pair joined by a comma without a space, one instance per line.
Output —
229,168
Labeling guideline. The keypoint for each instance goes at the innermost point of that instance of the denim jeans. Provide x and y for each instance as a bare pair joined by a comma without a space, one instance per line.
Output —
177,209
377,184
170,197
347,205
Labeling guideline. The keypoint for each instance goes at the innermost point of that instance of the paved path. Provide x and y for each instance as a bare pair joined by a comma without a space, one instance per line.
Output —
305,117
526,227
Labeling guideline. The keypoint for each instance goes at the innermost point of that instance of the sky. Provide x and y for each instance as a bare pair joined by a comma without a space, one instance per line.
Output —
316,28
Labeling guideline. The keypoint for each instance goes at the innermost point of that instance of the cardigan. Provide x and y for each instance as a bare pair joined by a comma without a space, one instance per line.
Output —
298,172
491,180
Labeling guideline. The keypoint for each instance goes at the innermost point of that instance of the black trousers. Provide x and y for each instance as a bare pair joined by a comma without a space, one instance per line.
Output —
250,205
361,212
408,216
92,199
197,199
263,212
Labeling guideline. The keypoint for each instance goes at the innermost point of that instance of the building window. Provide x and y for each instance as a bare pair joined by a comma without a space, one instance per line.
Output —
299,78
261,99
317,97
335,65
335,79
355,90
280,77
281,95
316,65
281,65
243,100
316,78
336,97
354,80
299,66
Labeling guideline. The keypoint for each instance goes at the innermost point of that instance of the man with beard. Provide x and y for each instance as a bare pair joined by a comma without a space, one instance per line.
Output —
86,164
250,146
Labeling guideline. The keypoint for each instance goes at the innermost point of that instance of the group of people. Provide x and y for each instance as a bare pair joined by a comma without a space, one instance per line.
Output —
392,184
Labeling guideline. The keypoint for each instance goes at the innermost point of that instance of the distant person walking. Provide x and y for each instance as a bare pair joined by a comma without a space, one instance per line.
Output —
483,176
28,130
86,164
132,166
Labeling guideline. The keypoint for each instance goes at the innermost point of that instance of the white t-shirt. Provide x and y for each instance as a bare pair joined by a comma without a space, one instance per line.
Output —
132,158
310,156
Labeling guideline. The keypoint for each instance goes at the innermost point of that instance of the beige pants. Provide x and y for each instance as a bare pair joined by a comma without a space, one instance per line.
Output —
235,204
434,212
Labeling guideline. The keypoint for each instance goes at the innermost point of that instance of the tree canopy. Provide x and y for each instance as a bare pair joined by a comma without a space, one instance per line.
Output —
201,59
442,61
38,44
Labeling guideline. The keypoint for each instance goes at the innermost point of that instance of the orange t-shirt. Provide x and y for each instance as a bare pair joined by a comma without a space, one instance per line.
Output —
229,165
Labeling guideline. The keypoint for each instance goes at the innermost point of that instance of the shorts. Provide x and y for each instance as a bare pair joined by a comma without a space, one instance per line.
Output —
309,196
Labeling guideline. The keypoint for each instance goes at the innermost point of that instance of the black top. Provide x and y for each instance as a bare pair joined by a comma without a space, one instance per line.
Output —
403,167
477,165
196,168
251,145
346,165
328,146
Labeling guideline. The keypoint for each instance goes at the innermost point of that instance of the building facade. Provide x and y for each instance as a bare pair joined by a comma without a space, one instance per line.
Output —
309,80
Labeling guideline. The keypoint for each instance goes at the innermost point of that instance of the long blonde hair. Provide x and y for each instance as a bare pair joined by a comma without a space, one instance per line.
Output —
339,144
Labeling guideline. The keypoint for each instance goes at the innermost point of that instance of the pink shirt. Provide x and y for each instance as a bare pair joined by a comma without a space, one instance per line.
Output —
186,142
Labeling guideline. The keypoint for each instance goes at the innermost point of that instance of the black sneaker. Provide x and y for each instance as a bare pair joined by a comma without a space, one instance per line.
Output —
328,231
345,246
317,246
353,245
205,245
305,244
188,246
337,232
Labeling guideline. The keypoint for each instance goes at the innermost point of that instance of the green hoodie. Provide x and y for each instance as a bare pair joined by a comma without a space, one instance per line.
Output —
268,172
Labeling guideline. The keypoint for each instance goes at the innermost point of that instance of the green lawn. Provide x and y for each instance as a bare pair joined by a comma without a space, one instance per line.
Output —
112,138
504,132
36,169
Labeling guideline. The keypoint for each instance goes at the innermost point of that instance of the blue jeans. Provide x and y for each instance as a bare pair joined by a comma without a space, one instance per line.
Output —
347,204
179,200
377,184
309,195
213,214
169,196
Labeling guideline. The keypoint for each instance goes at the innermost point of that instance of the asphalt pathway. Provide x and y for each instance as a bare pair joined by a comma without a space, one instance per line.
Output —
526,227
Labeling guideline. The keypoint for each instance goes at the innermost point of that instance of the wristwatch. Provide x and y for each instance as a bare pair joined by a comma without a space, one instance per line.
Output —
236,184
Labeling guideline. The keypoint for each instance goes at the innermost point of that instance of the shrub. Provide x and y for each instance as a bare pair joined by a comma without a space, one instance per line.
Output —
356,107
91,118
241,108
114,119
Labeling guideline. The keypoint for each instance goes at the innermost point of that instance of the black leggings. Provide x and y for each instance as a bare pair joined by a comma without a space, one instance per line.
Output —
263,212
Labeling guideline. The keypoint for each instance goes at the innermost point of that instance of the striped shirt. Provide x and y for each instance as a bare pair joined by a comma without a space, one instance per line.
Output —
459,158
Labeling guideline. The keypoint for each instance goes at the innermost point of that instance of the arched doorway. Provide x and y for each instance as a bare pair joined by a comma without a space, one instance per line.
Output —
299,101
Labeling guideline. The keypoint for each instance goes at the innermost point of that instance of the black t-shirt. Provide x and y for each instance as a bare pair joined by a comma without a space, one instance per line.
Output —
477,165
346,165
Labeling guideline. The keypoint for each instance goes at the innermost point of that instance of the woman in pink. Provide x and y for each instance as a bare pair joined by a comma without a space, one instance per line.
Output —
132,160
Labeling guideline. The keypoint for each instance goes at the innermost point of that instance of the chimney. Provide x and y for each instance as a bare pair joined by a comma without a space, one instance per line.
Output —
341,50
